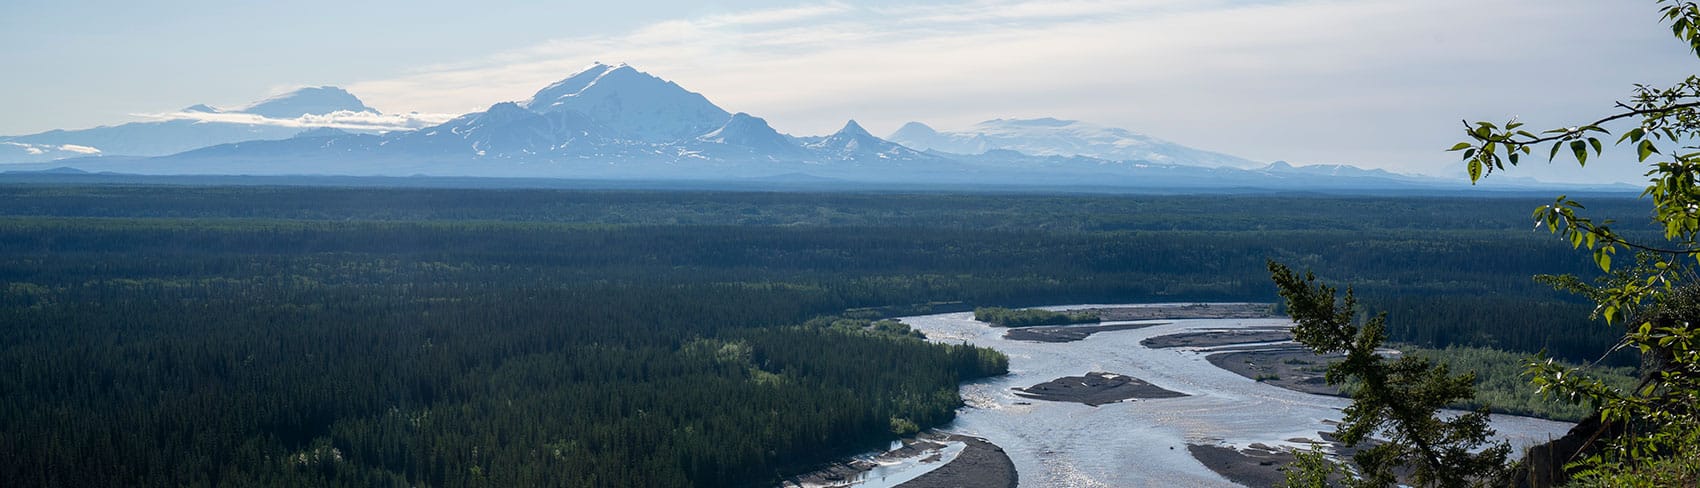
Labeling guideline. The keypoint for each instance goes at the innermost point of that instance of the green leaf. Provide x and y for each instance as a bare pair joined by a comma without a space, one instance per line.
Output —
1475,168
1554,154
1602,258
1461,146
1580,149
1627,136
1596,143
1646,149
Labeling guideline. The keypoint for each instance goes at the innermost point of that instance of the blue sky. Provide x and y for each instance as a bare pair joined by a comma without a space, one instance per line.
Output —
1375,83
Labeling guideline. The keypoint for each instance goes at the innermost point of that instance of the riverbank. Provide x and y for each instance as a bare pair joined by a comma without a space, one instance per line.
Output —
1141,443
1258,465
1286,365
931,460
1291,367
1067,333
1190,311
1147,314
1215,338
981,463
855,471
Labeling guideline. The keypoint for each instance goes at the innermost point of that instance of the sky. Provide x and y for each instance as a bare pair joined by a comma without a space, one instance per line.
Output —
1372,83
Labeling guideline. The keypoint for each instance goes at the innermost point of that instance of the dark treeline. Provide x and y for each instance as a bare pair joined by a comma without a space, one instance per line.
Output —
1027,317
303,336
1065,213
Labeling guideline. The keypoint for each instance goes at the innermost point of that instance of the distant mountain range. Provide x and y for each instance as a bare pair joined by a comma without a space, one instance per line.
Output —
615,122
165,137
1052,137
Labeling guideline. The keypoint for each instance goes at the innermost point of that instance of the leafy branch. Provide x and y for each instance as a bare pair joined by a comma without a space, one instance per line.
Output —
1657,421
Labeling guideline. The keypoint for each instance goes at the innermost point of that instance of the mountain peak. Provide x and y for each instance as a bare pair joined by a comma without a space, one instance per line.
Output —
635,104
568,86
594,78
316,100
742,121
853,129
853,143
200,108
914,129
738,128
751,132
500,113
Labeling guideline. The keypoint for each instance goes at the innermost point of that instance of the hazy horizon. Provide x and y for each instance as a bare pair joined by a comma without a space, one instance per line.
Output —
1376,84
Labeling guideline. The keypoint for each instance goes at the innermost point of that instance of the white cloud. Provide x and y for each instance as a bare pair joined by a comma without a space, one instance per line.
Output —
41,149
30,149
343,119
773,16
1378,83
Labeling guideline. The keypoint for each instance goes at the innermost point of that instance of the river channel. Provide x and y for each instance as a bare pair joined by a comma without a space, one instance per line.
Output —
1141,442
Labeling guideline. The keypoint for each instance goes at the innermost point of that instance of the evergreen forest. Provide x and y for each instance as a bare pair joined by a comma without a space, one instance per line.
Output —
316,336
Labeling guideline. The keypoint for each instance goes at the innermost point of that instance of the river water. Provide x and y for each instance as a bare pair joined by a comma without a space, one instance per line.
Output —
1140,442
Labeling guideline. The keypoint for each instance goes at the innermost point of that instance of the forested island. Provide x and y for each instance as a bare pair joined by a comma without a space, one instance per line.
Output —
1028,317
195,336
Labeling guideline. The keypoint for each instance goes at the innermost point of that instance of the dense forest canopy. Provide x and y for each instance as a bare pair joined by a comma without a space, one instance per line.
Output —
172,336
1027,317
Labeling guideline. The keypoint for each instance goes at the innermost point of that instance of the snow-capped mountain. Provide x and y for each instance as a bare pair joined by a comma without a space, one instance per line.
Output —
506,130
320,132
853,143
163,137
1330,170
613,119
750,131
318,100
632,103
615,122
1054,137
745,136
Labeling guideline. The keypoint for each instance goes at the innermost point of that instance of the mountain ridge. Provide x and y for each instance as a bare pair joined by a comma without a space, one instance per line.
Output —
616,122
1049,136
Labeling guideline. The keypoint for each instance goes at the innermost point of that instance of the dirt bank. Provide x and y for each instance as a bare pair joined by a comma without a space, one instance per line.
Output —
1067,333
1095,389
845,473
1293,368
1214,338
1258,465
980,464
